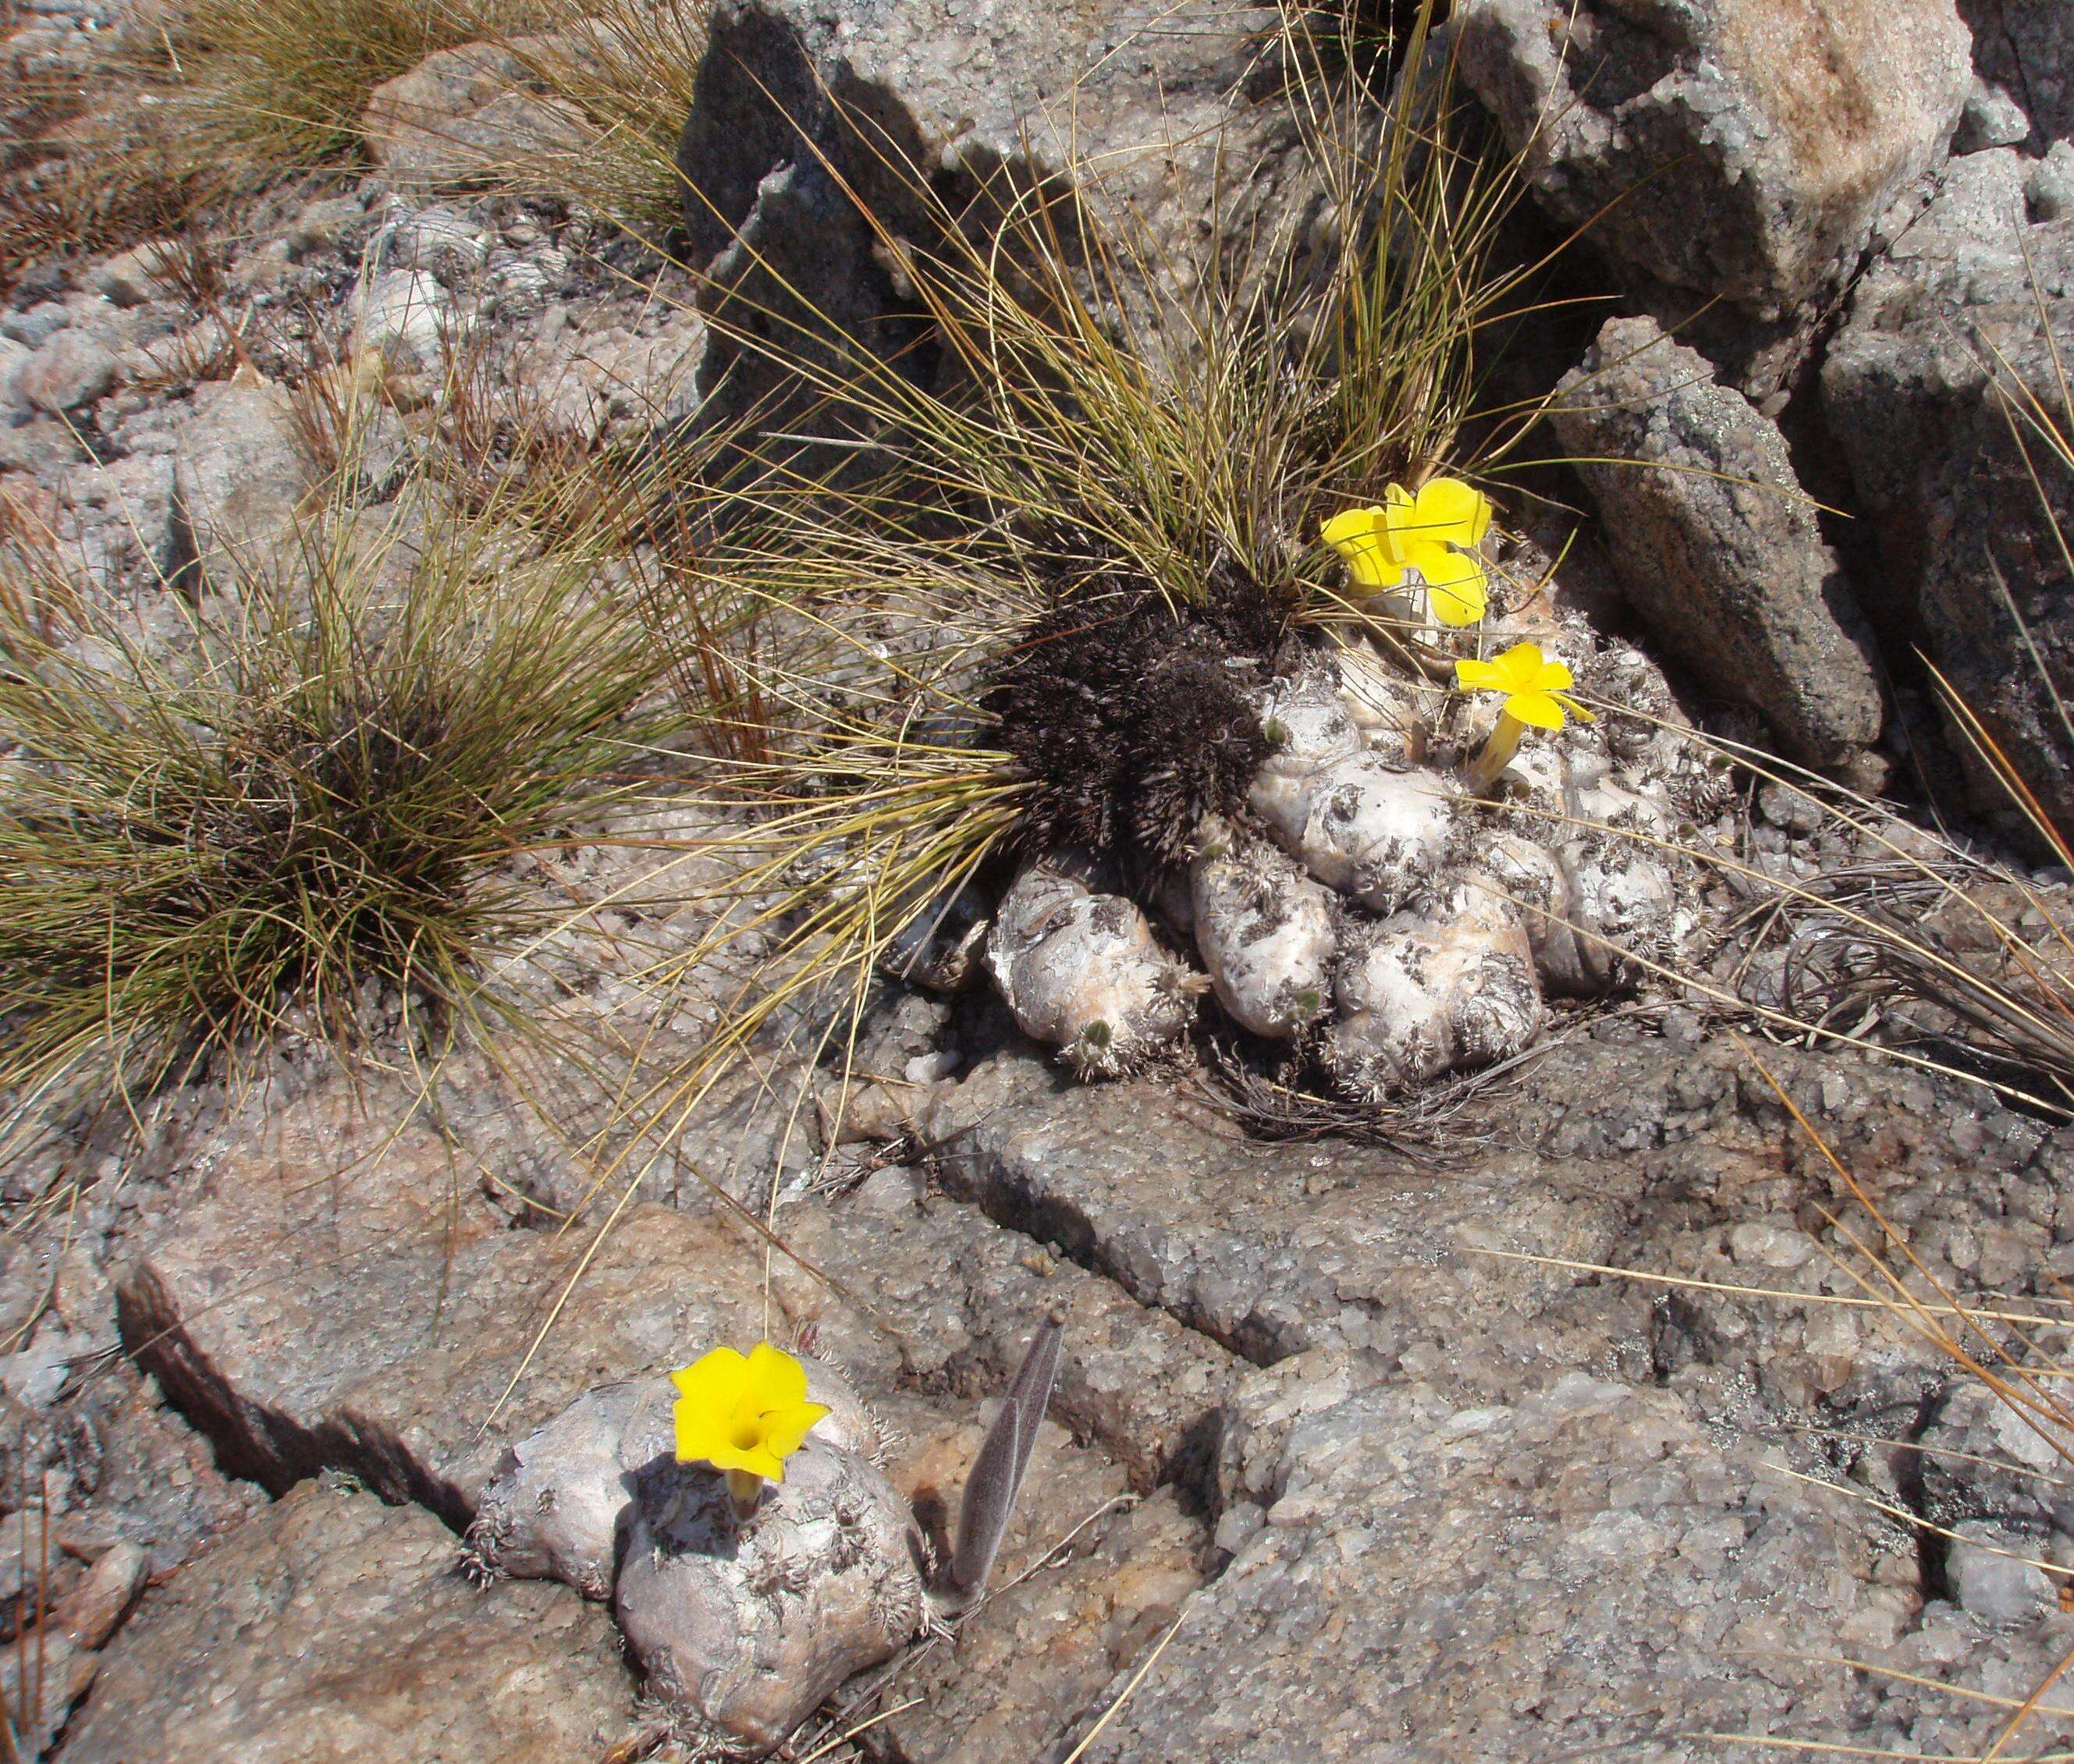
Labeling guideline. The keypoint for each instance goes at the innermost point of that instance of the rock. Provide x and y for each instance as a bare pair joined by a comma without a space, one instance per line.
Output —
1273,1248
589,382
261,273
33,325
13,355
449,245
33,1376
795,98
333,1628
325,224
343,1303
73,368
1715,541
1990,1577
461,117
1992,118
42,1678
2027,46
239,477
153,1481
119,521
1737,150
1036,1660
94,1610
1960,315
2049,190
390,1322
42,446
132,277
1982,1454
1380,1605
961,1295
407,317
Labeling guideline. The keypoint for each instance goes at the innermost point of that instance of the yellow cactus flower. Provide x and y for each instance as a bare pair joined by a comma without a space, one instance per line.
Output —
1434,533
1534,687
745,1414
1535,691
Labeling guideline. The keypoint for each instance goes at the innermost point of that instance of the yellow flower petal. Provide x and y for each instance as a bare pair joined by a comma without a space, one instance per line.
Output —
1447,508
1537,710
1455,582
1350,526
1360,538
786,1430
775,1379
747,1413
757,1459
699,1432
716,1380
1519,668
1533,686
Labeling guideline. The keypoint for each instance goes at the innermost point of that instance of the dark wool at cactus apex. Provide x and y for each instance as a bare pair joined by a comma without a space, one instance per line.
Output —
1130,716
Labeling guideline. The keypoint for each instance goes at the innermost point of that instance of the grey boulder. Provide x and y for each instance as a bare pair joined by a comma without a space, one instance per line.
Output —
1962,322
239,474
332,1629
2026,46
72,369
464,116
1716,544
1737,151
924,109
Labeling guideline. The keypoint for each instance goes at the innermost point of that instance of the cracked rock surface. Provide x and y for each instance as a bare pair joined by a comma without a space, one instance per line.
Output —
1583,1567
1426,1453
333,1628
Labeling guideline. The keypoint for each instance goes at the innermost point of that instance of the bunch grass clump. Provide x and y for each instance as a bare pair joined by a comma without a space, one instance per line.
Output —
629,68
276,86
1109,486
320,803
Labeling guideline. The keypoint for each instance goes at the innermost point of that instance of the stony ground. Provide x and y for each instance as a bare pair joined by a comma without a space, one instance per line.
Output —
1449,1451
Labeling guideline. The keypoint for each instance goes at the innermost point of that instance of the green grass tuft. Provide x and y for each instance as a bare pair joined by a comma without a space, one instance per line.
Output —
324,798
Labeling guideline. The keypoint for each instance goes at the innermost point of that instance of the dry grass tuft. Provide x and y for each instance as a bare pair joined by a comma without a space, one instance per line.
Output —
628,68
312,810
275,86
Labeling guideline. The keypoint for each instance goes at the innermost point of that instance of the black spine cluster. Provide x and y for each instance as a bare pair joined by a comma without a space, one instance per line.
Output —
1130,714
